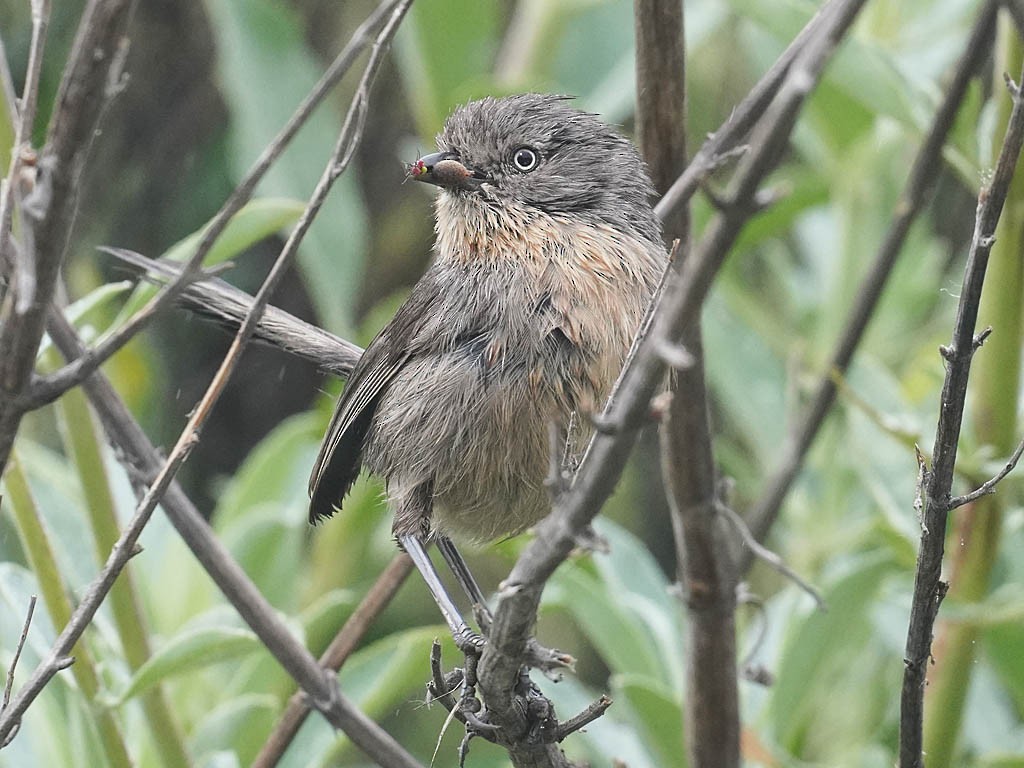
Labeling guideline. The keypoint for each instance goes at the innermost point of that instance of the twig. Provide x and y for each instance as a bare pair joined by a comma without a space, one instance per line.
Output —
916,194
989,486
517,603
721,145
583,719
74,372
348,637
48,211
771,558
17,653
928,586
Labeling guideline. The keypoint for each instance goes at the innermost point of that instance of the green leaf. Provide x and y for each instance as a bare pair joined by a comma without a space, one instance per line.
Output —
187,652
657,716
624,645
264,71
442,47
257,220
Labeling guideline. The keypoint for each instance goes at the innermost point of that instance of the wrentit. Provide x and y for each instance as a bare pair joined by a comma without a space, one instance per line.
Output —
547,254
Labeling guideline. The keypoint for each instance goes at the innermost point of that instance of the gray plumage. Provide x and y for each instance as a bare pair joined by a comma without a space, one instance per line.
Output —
547,254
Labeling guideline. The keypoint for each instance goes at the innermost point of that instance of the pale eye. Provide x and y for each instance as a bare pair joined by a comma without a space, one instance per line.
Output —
525,159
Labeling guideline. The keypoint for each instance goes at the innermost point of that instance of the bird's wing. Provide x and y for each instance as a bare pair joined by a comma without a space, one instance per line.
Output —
338,464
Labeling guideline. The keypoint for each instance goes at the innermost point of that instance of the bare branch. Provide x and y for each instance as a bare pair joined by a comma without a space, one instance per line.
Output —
721,145
989,486
583,719
348,637
929,589
767,556
916,194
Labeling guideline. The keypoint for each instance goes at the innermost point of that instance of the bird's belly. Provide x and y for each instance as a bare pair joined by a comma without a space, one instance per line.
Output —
478,435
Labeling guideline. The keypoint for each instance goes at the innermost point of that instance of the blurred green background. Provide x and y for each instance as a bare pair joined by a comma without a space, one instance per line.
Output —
210,84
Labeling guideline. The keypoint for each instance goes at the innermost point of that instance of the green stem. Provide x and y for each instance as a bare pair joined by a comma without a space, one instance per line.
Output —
83,446
36,543
974,545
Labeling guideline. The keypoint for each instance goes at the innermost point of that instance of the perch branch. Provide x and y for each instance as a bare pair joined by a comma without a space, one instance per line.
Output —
989,486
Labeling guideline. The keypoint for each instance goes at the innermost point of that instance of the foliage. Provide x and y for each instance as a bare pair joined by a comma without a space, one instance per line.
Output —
848,525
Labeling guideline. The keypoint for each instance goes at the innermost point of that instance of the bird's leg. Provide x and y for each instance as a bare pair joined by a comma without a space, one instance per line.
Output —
548,660
465,638
464,576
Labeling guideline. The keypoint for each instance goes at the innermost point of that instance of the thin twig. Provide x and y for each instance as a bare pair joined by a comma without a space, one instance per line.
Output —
583,719
989,486
770,558
929,589
52,386
376,600
923,174
17,653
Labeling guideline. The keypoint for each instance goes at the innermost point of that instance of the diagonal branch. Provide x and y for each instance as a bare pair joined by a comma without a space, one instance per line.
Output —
916,194
929,589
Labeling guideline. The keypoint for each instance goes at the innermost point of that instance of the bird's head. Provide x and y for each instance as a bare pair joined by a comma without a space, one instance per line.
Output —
536,152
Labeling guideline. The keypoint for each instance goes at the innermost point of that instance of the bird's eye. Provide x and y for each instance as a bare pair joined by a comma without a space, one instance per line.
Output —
525,159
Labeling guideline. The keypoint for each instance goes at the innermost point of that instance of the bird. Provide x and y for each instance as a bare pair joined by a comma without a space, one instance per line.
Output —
546,257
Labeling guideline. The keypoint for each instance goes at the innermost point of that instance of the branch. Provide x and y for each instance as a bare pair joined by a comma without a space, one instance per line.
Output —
9,687
49,208
704,567
929,589
348,637
518,600
916,194
721,145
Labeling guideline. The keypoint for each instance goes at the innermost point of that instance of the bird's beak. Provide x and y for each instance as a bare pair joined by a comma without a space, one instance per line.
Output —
445,169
